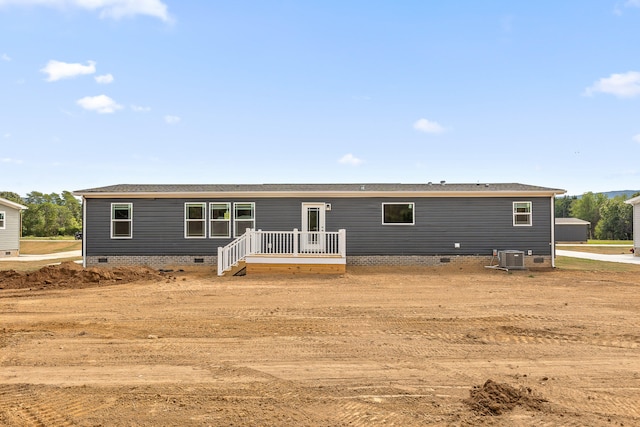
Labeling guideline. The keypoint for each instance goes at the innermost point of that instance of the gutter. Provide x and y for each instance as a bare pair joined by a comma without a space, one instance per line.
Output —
309,194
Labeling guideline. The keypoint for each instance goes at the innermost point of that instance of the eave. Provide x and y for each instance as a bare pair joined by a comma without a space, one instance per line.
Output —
315,194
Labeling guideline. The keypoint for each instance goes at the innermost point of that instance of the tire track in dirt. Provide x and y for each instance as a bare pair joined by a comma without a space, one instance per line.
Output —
23,406
492,330
600,401
512,334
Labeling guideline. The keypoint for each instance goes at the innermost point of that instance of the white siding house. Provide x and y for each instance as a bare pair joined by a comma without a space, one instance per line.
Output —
636,224
10,227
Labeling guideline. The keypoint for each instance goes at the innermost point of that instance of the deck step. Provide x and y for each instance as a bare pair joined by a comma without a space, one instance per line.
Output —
236,269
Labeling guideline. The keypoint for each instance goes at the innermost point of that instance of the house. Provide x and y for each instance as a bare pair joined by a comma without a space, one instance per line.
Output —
10,227
635,202
308,225
572,230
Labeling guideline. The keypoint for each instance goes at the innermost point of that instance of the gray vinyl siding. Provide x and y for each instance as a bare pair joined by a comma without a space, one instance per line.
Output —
10,234
479,224
572,232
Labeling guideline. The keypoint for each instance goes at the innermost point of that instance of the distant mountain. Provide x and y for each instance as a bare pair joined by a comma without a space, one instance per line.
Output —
612,194
626,193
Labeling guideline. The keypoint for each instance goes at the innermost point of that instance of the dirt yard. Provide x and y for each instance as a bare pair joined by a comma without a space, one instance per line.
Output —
413,347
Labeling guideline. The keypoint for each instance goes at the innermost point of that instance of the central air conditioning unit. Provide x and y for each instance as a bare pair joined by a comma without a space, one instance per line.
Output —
511,260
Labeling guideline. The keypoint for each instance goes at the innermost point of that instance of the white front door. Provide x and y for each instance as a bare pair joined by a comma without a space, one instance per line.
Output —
312,237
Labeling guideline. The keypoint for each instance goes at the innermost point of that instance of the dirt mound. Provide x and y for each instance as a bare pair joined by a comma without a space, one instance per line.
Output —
493,398
72,275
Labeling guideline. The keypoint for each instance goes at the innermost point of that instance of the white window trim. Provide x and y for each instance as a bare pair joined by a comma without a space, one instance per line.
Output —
227,220
130,221
186,220
3,225
235,219
530,214
413,209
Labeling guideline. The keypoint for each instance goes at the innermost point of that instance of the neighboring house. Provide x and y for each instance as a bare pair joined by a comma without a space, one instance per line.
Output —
636,224
572,230
361,224
10,227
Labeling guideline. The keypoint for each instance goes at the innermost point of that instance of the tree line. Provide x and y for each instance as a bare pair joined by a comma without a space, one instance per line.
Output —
610,218
48,215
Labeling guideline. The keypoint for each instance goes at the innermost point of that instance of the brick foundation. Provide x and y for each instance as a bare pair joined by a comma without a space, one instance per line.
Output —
151,261
431,260
9,253
361,260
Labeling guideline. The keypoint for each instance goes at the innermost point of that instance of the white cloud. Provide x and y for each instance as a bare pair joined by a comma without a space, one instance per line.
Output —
114,9
104,79
636,138
632,3
140,109
350,159
625,85
7,135
427,126
172,120
101,104
10,160
63,70
5,57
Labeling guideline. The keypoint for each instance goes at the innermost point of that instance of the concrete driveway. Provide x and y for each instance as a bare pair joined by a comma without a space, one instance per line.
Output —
624,258
44,257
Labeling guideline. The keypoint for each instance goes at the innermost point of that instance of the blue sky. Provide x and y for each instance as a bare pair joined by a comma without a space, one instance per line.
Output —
102,92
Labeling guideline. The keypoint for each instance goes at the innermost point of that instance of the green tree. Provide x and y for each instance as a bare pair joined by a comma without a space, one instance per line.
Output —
51,214
12,197
33,221
563,206
616,218
587,208
73,205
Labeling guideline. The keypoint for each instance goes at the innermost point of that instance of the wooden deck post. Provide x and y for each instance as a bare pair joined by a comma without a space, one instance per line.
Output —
220,261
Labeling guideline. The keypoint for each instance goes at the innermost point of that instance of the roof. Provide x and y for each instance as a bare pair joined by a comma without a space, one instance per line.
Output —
441,189
571,221
11,204
633,201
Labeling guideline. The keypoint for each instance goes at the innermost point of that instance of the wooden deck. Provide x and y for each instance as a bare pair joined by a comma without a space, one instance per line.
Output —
290,252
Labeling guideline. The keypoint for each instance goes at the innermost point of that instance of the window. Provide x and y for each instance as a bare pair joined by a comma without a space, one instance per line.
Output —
521,213
121,220
195,220
220,218
2,221
398,214
244,217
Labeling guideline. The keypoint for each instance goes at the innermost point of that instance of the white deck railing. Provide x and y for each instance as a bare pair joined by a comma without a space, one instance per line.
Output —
281,243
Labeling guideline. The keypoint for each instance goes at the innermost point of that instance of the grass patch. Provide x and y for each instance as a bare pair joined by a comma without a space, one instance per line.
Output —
39,247
568,263
610,242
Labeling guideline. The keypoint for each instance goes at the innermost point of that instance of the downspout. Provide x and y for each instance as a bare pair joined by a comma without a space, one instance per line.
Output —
84,232
553,231
20,237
